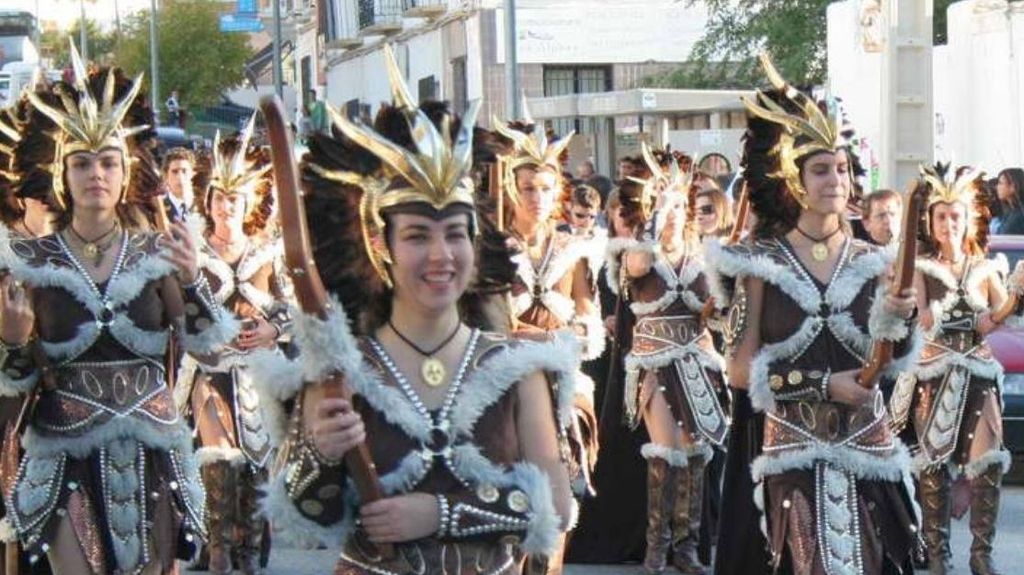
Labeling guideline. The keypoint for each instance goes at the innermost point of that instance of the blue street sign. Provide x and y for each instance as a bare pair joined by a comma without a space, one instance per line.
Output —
246,7
235,23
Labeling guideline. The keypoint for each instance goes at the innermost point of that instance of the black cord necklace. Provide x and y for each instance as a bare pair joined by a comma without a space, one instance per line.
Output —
819,249
97,248
432,370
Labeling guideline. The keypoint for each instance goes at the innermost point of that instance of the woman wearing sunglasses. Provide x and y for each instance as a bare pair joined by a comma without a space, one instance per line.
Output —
714,218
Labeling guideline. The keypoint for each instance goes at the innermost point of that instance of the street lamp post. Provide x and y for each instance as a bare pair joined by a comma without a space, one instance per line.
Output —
83,45
511,62
154,67
278,70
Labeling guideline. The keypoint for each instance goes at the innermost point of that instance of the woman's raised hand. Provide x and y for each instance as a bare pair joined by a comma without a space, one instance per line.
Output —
16,315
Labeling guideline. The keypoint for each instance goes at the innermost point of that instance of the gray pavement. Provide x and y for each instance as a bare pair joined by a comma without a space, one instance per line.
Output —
1009,548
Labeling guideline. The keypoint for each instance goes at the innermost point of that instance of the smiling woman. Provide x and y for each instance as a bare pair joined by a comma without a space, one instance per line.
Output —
458,421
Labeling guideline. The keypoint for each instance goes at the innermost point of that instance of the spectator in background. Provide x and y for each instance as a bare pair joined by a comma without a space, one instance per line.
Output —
173,109
178,169
714,218
1009,188
881,216
626,168
582,211
585,170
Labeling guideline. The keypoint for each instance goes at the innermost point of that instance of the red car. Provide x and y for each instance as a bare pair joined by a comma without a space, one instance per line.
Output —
1008,346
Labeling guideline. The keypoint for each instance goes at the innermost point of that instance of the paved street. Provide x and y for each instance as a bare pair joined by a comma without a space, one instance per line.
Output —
1010,548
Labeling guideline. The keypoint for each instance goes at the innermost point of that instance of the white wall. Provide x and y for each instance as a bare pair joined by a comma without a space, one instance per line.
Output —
978,81
855,74
603,31
982,105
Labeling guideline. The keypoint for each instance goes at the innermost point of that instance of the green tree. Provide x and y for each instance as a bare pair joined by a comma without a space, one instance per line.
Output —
793,31
195,57
54,43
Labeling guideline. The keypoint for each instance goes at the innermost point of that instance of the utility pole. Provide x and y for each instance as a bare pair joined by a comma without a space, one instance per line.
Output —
83,40
154,67
511,62
278,70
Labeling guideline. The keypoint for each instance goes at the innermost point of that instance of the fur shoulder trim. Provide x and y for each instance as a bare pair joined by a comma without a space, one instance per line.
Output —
614,251
507,363
766,261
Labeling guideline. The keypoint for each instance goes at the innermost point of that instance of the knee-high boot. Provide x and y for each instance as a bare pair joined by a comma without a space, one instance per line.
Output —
661,486
250,522
936,509
984,512
220,480
686,517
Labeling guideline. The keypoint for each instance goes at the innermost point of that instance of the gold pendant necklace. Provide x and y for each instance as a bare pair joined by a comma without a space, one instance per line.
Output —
432,370
819,247
95,250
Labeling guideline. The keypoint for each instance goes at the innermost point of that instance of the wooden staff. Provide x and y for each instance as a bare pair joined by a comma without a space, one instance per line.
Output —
309,289
882,350
741,215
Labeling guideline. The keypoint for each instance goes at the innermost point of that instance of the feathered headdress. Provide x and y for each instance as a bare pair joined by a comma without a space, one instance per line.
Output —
667,175
238,167
531,146
965,186
9,138
806,128
86,123
434,170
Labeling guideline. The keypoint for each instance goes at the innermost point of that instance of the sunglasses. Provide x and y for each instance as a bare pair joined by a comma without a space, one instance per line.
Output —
706,210
580,216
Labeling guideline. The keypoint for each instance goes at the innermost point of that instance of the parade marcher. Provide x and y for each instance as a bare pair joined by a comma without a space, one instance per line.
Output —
246,275
806,302
28,209
178,167
555,287
458,421
108,481
673,373
953,399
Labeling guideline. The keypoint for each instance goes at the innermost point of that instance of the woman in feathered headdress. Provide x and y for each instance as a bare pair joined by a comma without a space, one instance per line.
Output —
807,300
246,273
108,482
953,399
459,422
555,287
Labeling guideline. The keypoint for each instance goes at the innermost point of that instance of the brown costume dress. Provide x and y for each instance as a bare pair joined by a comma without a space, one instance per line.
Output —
673,355
542,297
948,396
832,480
105,445
494,506
222,394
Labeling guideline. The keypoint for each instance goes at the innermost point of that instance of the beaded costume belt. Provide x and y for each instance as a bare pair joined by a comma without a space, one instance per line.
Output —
89,394
657,334
433,556
793,424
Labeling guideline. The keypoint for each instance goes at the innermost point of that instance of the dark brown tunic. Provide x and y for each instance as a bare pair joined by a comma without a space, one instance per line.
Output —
832,477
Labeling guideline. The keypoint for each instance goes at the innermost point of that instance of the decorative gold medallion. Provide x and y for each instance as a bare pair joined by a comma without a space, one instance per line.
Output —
819,252
91,250
432,371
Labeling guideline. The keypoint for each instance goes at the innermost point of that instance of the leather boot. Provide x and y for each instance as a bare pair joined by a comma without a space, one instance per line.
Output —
686,517
661,486
250,522
984,512
219,480
936,509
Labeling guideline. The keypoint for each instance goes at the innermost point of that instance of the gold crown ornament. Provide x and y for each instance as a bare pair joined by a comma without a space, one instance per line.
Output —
961,189
234,173
808,130
88,125
9,138
436,172
533,149
661,180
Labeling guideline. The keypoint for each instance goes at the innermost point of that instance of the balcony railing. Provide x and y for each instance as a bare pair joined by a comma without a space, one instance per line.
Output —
380,16
424,8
